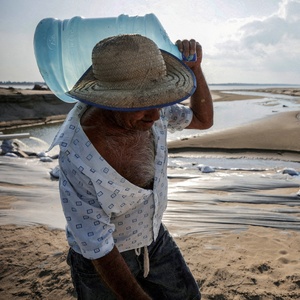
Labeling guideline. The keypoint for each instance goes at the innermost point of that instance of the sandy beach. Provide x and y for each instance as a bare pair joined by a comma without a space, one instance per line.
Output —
253,257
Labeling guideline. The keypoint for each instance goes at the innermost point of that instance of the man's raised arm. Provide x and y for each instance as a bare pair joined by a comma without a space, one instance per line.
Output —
201,101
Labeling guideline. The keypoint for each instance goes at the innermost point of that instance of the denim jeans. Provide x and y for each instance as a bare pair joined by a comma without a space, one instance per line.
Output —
169,276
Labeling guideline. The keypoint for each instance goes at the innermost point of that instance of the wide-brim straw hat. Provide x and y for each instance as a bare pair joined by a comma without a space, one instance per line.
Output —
129,73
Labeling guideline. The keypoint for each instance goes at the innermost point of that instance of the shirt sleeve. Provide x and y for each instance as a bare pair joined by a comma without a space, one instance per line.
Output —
177,116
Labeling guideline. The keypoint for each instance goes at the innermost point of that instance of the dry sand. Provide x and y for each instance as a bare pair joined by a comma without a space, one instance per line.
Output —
277,136
25,107
255,264
260,263
280,132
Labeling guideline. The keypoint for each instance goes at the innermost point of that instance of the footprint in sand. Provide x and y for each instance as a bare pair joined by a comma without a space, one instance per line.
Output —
285,260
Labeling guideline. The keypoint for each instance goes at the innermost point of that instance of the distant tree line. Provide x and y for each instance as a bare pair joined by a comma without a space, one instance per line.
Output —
22,82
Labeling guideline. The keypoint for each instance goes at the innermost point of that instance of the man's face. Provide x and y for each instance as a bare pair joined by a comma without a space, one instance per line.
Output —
138,120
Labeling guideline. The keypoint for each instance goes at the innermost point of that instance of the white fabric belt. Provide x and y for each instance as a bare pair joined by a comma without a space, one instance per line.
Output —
146,259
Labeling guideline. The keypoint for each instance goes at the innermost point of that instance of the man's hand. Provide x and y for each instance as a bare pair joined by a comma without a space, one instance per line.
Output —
189,48
114,271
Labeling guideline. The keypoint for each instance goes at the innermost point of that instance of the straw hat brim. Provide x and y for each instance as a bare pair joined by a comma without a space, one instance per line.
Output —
178,85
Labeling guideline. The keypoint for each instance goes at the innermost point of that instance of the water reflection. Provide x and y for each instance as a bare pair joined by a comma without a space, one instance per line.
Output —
231,200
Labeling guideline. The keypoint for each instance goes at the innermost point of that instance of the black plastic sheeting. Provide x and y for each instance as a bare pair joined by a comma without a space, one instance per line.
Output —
198,203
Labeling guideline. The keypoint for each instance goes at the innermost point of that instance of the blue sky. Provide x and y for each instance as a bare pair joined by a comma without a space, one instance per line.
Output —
250,41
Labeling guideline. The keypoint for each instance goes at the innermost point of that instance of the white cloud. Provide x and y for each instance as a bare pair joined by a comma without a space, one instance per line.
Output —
269,45
290,10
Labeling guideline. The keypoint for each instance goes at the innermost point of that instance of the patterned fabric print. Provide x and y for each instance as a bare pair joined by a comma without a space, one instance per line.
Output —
101,207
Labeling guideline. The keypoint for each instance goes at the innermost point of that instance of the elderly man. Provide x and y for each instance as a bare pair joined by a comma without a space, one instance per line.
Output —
113,160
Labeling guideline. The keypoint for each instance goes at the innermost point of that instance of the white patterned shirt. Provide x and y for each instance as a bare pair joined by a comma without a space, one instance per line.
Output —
102,208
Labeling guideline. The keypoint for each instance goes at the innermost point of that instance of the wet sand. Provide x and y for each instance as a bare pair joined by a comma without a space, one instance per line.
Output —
238,260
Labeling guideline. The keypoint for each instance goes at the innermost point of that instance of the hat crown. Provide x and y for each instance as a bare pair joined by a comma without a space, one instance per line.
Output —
128,58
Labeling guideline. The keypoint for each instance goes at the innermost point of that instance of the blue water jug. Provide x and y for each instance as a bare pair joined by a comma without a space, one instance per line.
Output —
63,48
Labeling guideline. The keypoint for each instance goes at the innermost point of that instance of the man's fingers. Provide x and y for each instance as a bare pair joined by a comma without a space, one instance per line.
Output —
189,47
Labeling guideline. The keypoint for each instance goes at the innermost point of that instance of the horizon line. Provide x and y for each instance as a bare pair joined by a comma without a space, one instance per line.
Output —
222,83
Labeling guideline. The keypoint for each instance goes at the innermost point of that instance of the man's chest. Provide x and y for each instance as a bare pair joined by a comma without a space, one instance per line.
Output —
132,156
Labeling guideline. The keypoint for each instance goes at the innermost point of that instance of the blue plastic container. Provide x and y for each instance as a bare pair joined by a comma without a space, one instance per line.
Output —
63,48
